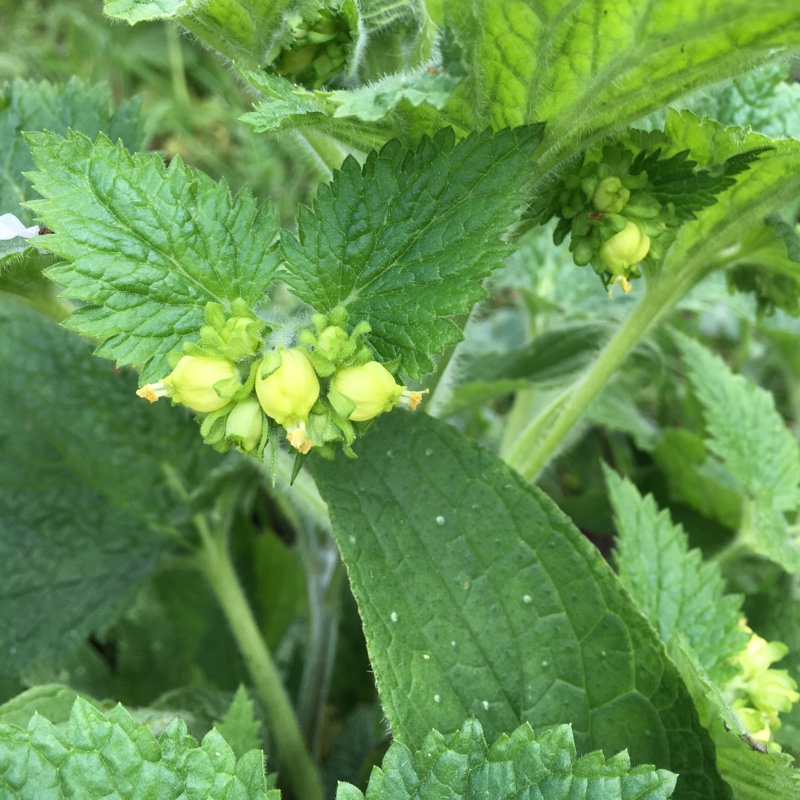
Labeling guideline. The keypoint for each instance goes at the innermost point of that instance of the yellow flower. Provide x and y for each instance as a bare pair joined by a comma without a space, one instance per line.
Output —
192,383
373,390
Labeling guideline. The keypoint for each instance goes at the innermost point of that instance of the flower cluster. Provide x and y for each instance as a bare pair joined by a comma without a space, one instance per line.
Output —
324,391
614,220
758,694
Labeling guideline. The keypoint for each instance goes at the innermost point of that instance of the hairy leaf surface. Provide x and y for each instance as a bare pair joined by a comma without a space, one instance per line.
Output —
146,247
517,766
479,598
98,756
405,241
84,509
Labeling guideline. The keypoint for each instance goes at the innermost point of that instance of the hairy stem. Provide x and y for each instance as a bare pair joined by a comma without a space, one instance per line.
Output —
214,561
536,444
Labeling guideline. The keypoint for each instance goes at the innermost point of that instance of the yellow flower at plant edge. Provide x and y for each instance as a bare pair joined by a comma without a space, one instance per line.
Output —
288,394
758,694
373,390
192,383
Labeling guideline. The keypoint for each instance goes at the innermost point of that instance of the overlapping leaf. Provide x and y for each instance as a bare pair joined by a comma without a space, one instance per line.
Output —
480,599
98,756
146,247
590,67
517,766
405,241
84,510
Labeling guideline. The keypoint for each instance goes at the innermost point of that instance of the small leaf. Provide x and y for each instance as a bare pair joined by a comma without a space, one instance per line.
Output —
98,756
517,766
146,247
405,241
239,727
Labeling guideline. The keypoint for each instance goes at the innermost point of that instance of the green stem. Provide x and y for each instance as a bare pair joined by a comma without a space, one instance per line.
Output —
540,439
215,563
177,68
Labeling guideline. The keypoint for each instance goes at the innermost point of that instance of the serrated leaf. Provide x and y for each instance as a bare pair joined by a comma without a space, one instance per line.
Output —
479,598
771,269
743,428
591,67
682,596
518,765
38,106
52,701
99,756
405,241
84,510
146,247
703,484
239,727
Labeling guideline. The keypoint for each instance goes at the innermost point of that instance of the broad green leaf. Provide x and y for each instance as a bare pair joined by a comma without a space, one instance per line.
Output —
699,482
743,428
239,727
146,247
682,596
593,66
405,241
519,765
99,756
39,106
84,510
480,599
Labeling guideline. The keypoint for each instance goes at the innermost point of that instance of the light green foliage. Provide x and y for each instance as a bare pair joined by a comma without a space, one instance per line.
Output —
147,247
404,241
479,598
84,511
517,766
590,67
239,727
99,756
743,429
53,701
38,106
682,596
701,483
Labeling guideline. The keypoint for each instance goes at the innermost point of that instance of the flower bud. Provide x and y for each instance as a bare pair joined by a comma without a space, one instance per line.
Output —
244,424
288,394
373,390
625,249
610,195
192,383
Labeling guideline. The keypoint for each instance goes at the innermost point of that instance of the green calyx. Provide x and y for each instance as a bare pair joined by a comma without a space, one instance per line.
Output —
237,335
331,347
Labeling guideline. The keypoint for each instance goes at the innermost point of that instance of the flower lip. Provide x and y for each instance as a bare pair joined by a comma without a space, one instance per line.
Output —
11,228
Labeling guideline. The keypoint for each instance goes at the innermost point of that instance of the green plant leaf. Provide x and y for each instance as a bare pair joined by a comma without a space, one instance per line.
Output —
99,756
590,68
479,598
696,480
239,727
146,247
519,765
53,701
683,597
39,106
84,511
405,241
743,428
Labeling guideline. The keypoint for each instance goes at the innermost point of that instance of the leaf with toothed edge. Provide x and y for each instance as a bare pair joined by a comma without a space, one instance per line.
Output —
405,241
146,247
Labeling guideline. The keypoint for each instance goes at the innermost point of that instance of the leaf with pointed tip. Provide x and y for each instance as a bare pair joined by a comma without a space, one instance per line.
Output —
239,727
480,599
516,766
146,247
99,756
405,241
